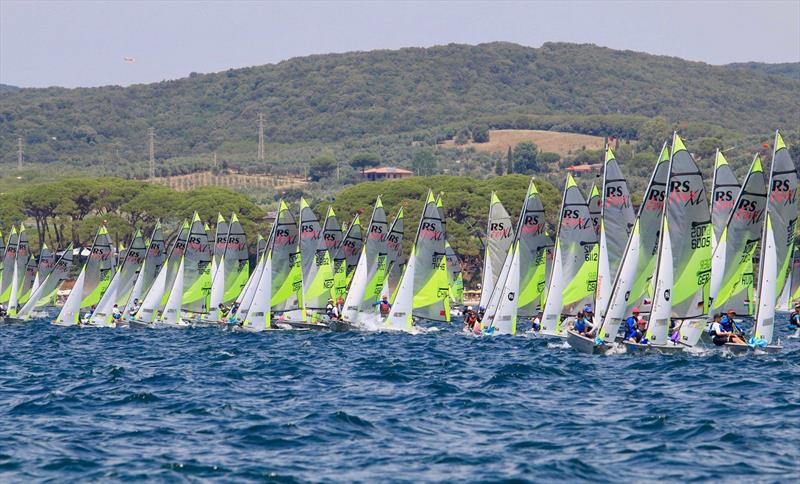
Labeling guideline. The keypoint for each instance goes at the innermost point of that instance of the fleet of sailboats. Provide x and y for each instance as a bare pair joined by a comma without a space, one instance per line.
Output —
678,258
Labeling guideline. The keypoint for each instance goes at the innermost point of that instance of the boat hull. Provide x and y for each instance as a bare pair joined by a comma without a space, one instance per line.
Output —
11,320
638,348
741,349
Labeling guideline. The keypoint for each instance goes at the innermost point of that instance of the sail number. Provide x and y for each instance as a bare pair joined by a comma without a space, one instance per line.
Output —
701,236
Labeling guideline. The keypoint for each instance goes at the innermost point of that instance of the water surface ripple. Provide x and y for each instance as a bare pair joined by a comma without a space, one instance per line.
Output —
91,404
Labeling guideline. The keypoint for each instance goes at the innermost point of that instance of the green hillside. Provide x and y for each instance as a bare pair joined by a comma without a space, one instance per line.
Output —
385,101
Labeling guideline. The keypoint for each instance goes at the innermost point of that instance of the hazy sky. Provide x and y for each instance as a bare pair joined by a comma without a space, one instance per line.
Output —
44,43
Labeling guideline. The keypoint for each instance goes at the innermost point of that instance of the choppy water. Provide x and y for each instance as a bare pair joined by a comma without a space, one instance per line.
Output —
91,404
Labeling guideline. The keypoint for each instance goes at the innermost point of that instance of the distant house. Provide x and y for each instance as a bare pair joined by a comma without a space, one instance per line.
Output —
578,170
386,173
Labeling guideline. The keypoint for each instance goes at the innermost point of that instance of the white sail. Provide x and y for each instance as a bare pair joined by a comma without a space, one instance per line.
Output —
152,301
248,294
70,313
658,326
399,318
12,300
102,315
551,315
618,301
605,279
767,283
259,315
504,320
172,310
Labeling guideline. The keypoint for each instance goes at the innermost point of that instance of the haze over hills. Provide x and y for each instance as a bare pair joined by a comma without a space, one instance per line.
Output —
322,100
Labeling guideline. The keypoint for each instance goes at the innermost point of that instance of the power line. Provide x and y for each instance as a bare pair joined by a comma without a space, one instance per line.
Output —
151,131
260,136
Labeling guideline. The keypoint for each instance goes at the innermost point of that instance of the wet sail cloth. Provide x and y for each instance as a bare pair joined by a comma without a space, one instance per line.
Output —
367,284
286,273
346,257
315,260
732,281
684,266
499,236
574,278
633,280
777,240
521,284
423,290
45,293
725,188
617,219
92,281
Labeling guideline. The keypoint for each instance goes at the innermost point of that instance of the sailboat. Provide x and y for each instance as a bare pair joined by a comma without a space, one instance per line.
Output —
632,283
156,297
423,291
724,188
395,258
46,292
46,263
616,222
683,270
92,282
154,259
9,263
732,280
499,237
519,288
316,263
346,258
573,279
232,268
366,289
188,297
20,277
455,277
777,247
121,285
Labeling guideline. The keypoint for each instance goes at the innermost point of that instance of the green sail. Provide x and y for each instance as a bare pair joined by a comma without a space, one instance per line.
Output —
197,269
99,269
287,276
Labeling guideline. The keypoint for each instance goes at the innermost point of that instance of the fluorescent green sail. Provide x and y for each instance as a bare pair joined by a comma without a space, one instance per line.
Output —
431,293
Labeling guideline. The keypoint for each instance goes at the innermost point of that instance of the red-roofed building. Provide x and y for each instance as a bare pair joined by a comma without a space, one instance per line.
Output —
386,173
577,170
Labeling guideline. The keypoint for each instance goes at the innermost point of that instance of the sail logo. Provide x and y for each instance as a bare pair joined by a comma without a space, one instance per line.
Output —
430,231
498,230
573,219
392,241
234,243
330,240
655,199
748,211
307,231
532,225
376,233
615,197
782,192
99,253
154,250
349,247
723,200
680,191
283,237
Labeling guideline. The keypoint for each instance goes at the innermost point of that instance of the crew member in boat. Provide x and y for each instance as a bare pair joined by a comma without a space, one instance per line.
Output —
471,321
3,310
794,318
588,314
339,305
115,314
728,323
582,325
720,335
330,310
134,308
632,327
536,325
223,311
384,306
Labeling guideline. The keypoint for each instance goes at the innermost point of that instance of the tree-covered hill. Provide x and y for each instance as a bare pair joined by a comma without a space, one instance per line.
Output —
316,101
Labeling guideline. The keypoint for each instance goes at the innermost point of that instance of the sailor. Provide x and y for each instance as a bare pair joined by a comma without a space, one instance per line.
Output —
134,307
339,305
481,313
794,318
728,323
632,326
384,305
589,314
536,326
330,309
223,312
3,310
470,320
719,335
115,314
88,316
582,325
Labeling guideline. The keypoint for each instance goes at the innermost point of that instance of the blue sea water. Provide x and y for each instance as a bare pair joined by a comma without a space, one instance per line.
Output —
83,404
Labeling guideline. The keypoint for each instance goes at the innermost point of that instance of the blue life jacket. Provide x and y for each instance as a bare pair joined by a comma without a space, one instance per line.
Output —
726,324
580,325
795,319
630,328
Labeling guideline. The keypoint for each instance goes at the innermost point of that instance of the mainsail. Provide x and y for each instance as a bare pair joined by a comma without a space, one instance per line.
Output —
617,219
122,284
21,279
153,261
778,239
316,263
632,282
454,277
233,269
732,281
499,236
367,284
346,258
9,258
684,267
156,297
574,277
284,256
395,259
196,269
423,290
724,187
47,260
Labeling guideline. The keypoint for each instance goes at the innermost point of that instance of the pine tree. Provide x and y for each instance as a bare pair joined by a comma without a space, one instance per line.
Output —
509,161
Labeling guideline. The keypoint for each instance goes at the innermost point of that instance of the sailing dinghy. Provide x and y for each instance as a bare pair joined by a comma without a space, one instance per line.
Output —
46,292
121,286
